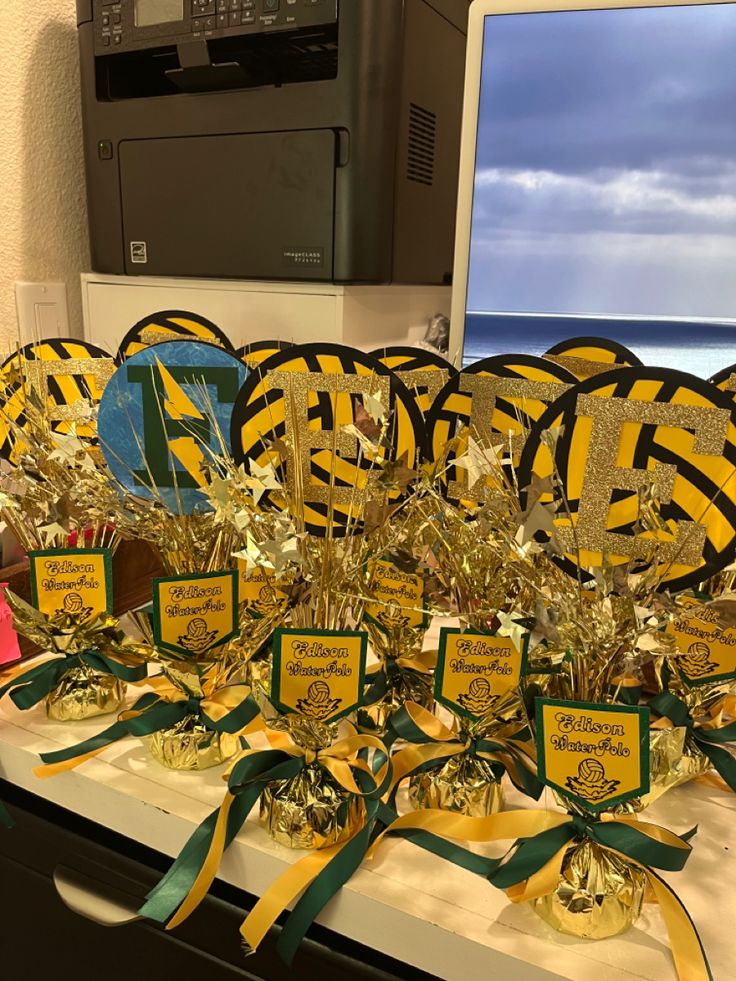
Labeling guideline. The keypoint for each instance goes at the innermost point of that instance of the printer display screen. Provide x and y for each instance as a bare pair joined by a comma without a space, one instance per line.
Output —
150,12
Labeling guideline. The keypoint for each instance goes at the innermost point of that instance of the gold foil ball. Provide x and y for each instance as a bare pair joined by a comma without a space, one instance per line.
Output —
83,693
189,745
311,810
598,894
464,784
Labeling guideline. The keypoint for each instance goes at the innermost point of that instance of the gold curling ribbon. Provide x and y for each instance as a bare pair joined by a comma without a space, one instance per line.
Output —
423,662
225,700
340,759
458,827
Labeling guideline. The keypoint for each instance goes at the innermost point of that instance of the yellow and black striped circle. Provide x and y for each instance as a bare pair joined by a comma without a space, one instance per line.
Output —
653,426
326,472
725,380
259,351
496,402
56,370
585,357
425,373
171,325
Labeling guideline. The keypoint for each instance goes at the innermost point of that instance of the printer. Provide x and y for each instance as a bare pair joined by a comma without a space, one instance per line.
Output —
273,139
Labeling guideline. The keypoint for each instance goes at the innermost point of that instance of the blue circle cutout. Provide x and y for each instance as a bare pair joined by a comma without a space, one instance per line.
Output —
149,418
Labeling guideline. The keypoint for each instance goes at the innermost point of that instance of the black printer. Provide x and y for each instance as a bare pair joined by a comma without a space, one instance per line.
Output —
273,139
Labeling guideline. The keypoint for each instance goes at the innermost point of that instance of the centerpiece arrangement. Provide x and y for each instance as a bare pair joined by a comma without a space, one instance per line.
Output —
390,591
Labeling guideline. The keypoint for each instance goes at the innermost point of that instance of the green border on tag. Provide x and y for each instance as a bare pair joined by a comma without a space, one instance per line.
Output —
644,722
712,678
276,667
425,614
439,673
235,632
45,553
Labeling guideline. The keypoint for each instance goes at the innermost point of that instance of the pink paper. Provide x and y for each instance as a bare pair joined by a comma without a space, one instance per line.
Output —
9,649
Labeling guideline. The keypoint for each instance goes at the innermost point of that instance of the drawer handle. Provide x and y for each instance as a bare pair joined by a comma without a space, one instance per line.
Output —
94,900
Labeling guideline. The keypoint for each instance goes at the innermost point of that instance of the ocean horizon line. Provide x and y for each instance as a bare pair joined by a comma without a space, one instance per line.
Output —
656,318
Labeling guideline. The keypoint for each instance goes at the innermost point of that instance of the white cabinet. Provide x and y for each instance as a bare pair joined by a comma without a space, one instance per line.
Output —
365,317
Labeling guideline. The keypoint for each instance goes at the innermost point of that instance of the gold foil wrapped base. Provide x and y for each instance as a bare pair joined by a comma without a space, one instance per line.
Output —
190,746
311,810
464,784
84,693
673,760
402,687
598,894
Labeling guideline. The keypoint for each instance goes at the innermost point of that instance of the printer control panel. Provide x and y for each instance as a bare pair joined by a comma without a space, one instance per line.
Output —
130,25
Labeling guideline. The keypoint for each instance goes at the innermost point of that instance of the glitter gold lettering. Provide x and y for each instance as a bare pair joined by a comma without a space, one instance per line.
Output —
602,477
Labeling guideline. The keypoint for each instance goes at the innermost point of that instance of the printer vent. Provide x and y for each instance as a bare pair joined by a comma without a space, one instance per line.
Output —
422,144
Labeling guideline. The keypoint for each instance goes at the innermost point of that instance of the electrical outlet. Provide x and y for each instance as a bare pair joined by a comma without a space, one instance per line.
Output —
42,311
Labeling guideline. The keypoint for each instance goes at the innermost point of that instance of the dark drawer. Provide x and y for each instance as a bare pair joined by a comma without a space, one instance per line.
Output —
110,874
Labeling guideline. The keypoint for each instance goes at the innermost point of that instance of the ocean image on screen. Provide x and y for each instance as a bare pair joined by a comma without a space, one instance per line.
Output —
605,185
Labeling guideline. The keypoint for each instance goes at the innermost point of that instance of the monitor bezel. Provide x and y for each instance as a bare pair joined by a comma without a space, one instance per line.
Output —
479,10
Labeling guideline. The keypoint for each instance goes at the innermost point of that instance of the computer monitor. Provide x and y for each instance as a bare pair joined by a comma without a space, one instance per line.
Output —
598,180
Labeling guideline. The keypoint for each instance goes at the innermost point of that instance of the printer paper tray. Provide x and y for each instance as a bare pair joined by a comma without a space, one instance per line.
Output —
190,205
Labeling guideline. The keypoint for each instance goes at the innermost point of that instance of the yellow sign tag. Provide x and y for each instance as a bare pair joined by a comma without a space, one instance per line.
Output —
194,614
75,582
596,755
260,592
319,673
399,597
706,650
474,669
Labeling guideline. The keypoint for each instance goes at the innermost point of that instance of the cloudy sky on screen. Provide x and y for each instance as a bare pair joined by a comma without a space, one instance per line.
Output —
606,172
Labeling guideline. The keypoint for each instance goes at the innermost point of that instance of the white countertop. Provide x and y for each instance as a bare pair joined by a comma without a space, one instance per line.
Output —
407,903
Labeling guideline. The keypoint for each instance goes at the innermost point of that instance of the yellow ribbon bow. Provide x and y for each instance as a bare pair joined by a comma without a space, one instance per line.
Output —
444,743
216,707
685,944
340,759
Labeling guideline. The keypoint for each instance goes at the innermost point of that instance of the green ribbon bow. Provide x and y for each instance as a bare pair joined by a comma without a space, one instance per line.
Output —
248,779
708,741
152,713
403,726
330,881
627,694
379,679
29,688
529,855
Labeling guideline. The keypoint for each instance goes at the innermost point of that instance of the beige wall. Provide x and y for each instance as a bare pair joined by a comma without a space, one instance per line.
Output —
43,235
